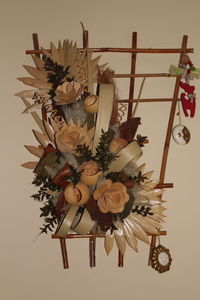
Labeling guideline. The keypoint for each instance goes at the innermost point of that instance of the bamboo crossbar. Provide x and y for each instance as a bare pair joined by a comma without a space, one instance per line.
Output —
146,100
144,75
85,236
125,50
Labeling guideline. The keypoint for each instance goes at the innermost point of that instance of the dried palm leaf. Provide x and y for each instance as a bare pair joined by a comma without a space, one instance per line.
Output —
30,165
42,139
129,235
37,151
33,107
120,240
55,55
141,221
38,62
137,230
49,130
108,241
32,93
38,74
35,116
35,83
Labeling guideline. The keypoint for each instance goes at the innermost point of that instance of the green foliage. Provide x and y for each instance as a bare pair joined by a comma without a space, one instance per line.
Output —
50,218
141,139
122,177
138,179
45,186
57,74
85,152
142,210
103,155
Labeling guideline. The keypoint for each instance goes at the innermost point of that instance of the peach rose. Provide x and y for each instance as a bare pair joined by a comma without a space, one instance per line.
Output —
70,136
111,197
117,144
76,195
90,172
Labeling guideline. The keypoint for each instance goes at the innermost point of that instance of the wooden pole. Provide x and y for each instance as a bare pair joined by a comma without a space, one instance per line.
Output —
64,253
152,246
132,78
36,44
144,75
171,117
120,259
146,100
92,251
126,50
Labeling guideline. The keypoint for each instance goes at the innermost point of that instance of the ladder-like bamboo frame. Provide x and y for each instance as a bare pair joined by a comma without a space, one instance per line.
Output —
133,51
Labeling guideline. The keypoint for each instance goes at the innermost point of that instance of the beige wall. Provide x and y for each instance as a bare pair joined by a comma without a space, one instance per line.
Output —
31,271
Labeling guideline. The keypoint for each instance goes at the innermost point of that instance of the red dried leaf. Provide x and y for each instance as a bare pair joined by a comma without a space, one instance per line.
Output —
59,178
103,220
129,128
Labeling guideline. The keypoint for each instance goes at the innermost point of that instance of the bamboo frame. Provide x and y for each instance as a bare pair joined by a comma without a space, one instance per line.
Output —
134,50
126,50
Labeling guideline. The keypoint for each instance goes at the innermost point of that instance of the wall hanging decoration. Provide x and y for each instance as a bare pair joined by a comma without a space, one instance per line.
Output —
90,183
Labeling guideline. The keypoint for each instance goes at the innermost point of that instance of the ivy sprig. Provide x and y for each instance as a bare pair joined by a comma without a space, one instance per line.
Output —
50,218
57,74
142,210
103,155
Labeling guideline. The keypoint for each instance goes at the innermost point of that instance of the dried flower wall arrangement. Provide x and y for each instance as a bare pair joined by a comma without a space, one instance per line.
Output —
86,167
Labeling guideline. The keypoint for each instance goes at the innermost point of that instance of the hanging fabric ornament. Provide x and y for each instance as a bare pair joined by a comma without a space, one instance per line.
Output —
180,133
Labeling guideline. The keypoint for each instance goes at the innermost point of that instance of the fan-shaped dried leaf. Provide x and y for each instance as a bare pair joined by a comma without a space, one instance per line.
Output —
54,54
46,53
138,231
38,62
150,184
42,139
37,151
49,130
148,175
120,240
151,193
141,221
129,235
35,83
35,116
38,74
108,241
33,107
30,165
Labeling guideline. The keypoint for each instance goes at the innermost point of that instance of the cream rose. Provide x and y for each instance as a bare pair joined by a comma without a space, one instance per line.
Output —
70,136
68,92
111,197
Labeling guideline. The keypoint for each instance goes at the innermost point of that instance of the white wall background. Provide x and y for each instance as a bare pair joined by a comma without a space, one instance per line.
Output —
31,271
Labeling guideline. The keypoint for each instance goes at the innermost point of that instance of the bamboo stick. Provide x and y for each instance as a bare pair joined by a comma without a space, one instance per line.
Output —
171,117
120,259
152,246
127,50
146,100
36,44
86,236
64,252
164,186
144,75
132,78
92,251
